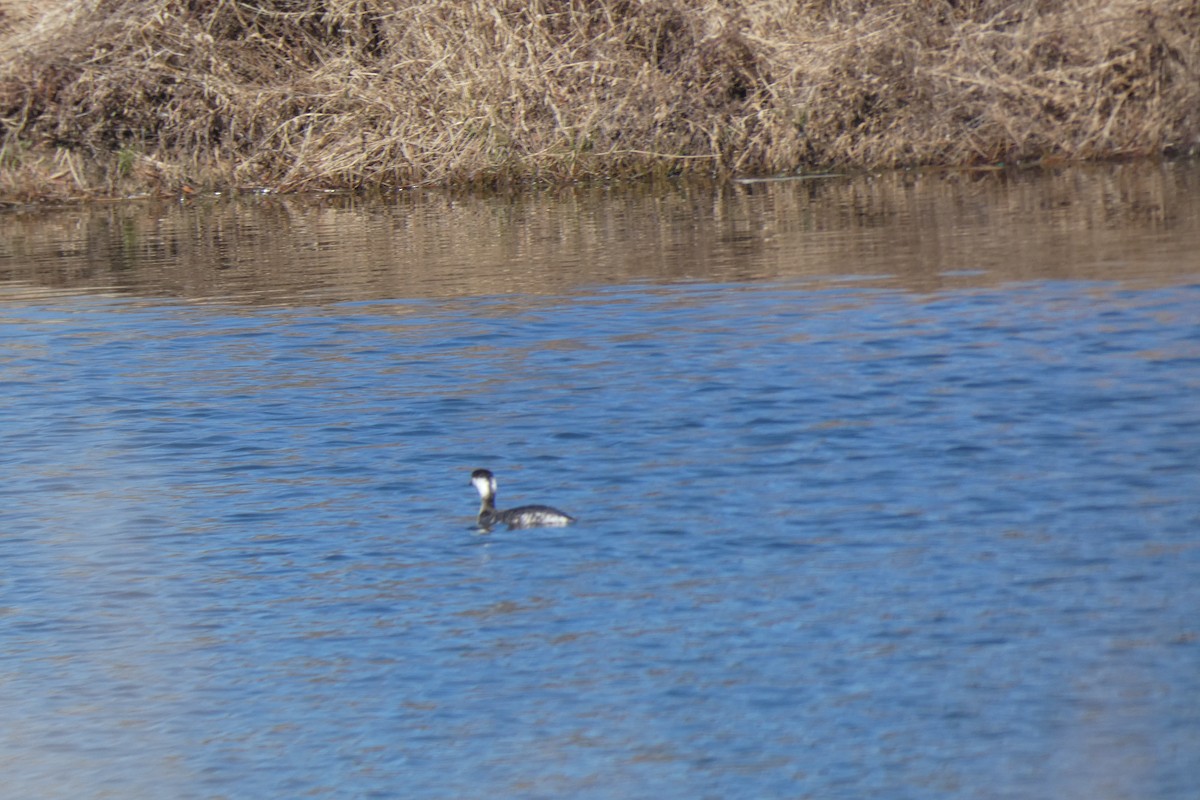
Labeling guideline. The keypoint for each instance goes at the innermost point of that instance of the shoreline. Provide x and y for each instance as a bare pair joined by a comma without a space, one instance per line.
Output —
148,97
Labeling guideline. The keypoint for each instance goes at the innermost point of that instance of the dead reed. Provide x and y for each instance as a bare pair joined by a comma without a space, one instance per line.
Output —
119,96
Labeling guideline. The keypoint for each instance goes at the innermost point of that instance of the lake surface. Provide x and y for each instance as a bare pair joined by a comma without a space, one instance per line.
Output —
888,486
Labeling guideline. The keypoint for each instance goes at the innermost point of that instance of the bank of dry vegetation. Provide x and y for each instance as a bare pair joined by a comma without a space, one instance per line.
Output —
160,95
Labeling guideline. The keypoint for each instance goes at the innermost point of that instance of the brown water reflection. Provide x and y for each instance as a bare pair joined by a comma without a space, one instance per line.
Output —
920,231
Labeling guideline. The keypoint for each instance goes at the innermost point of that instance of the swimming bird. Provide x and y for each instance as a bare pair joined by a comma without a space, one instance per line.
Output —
521,517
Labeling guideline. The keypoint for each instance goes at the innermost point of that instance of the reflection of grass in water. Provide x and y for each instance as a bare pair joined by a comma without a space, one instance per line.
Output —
337,94
925,231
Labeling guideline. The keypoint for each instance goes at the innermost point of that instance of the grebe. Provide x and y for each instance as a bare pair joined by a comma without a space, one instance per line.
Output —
521,517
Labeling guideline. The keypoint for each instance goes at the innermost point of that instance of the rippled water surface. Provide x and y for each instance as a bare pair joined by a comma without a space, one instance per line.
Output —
887,488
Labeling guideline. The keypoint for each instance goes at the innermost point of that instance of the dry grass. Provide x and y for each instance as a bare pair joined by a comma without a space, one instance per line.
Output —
114,96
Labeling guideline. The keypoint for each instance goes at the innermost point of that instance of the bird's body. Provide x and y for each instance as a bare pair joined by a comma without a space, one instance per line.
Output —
533,516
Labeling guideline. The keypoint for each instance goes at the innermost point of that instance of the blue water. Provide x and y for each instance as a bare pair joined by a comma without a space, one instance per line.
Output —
835,541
